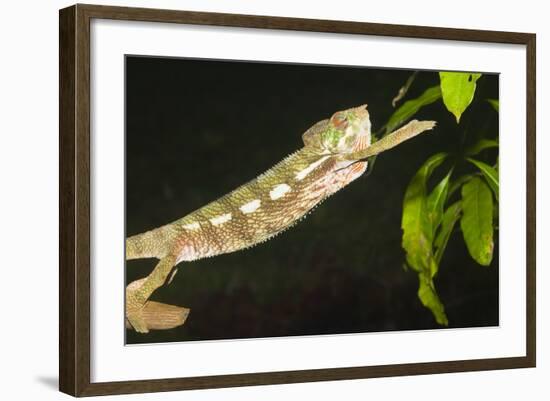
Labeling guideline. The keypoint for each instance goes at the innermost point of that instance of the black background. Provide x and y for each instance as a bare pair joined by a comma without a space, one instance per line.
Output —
197,129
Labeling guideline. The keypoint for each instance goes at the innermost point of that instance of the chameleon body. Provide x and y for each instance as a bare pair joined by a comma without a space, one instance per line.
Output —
334,155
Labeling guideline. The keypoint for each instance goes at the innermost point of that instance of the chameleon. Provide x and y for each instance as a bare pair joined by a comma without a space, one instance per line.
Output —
335,152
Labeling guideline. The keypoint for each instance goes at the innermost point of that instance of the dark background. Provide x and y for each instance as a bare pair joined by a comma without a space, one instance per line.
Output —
197,129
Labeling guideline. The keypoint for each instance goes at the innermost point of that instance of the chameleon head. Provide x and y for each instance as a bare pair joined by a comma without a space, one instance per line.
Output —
346,131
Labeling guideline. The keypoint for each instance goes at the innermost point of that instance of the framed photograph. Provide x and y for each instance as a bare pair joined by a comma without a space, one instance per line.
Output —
251,200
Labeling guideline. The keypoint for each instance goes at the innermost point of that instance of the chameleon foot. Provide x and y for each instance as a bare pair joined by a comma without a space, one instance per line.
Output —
136,320
156,316
135,306
151,315
159,316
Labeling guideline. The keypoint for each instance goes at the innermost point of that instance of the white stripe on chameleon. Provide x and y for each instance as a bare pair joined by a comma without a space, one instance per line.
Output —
303,174
251,207
224,218
192,226
279,191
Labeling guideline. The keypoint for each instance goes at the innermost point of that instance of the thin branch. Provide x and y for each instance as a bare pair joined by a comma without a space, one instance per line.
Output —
404,89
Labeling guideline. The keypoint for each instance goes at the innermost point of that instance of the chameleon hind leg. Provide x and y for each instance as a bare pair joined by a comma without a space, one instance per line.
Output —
142,314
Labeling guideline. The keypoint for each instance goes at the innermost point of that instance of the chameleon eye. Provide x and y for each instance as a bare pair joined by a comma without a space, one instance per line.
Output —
339,121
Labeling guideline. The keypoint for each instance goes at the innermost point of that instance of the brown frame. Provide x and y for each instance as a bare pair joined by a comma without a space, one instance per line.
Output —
74,204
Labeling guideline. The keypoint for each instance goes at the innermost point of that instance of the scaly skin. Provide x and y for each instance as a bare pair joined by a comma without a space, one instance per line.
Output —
334,155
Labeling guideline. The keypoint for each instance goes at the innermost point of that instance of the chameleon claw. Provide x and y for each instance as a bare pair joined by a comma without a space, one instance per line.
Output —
156,316
135,307
143,316
135,319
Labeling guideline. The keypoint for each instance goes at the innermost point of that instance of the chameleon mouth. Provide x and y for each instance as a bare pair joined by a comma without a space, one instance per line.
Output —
364,138
362,143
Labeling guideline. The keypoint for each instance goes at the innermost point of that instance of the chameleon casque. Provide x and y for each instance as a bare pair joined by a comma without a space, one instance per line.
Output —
334,154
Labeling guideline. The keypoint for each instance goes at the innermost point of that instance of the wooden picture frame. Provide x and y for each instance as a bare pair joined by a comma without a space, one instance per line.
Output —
74,119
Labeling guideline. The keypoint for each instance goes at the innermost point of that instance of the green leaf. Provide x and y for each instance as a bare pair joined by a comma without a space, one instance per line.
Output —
477,220
456,184
480,145
457,89
490,174
416,224
411,107
494,103
418,234
429,298
436,201
448,222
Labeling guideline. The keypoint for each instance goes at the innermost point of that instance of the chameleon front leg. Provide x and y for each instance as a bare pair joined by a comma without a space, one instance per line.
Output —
393,139
139,312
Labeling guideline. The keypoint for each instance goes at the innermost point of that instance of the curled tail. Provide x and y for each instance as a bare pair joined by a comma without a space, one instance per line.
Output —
156,243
